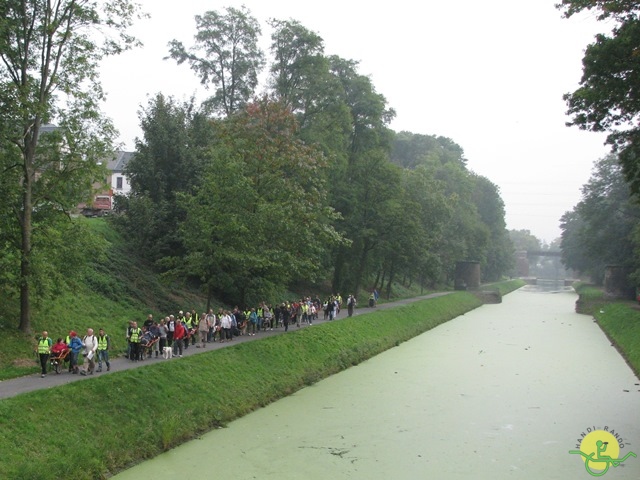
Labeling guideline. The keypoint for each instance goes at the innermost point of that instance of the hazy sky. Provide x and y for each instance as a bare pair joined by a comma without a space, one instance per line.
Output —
488,74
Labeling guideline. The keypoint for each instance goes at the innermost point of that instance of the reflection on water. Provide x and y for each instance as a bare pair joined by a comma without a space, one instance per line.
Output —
548,285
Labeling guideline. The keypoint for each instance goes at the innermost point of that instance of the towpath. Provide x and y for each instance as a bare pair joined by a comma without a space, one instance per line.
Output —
10,388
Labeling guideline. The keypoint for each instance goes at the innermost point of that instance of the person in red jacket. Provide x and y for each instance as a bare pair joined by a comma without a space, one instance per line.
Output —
179,335
59,347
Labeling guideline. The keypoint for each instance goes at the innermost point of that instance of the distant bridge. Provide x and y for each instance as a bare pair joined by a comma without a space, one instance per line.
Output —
524,256
543,253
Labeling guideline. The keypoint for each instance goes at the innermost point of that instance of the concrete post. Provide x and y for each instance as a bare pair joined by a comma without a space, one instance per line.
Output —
467,275
617,283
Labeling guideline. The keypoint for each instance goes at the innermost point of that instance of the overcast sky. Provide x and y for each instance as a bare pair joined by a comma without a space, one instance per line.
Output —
488,74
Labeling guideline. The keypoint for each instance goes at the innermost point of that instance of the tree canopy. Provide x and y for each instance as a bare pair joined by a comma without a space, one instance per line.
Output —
306,183
50,52
245,195
608,98
225,54
599,231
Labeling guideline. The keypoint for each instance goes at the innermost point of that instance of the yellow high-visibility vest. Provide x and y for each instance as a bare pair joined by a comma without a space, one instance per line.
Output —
44,345
103,342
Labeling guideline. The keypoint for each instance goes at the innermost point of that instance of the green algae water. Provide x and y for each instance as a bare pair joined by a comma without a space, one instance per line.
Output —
505,391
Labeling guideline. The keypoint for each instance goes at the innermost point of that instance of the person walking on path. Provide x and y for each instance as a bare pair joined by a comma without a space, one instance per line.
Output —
292,316
171,329
253,321
203,329
90,348
188,324
104,345
75,345
351,304
212,325
372,300
44,351
163,330
179,335
133,338
225,324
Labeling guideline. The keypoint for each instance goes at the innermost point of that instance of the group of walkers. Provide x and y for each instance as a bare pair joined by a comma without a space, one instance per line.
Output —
68,350
173,334
188,329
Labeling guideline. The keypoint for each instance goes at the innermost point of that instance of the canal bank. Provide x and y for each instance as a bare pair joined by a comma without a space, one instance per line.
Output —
124,417
504,391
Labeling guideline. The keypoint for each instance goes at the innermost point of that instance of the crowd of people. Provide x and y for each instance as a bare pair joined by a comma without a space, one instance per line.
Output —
69,349
175,333
189,329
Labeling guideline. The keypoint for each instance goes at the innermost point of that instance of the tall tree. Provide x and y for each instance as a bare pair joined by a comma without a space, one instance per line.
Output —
169,160
367,183
225,54
499,251
599,230
298,59
608,99
260,221
524,240
410,150
300,77
49,47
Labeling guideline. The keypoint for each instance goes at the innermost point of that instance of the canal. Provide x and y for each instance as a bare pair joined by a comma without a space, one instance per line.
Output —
505,391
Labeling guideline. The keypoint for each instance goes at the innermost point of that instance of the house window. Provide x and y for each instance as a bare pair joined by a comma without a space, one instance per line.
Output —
119,183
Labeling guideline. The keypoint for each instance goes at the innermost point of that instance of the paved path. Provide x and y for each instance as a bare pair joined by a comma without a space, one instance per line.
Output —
10,388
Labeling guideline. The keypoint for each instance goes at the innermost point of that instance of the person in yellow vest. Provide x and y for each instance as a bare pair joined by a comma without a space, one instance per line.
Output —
188,325
260,313
195,321
134,340
104,345
44,351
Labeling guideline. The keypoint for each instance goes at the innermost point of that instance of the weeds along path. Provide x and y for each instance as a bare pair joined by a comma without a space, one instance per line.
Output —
13,387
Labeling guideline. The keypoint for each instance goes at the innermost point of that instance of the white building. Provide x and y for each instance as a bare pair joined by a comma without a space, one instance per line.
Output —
118,181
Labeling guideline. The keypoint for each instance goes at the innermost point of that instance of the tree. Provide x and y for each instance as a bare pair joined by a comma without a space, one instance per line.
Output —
298,60
410,150
524,240
300,77
608,99
49,52
416,222
365,187
225,54
169,160
599,231
261,219
499,257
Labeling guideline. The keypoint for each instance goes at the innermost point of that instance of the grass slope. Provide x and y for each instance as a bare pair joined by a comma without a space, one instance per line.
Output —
619,319
117,288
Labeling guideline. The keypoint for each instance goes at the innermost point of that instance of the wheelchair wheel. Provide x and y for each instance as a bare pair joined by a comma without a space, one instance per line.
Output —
56,366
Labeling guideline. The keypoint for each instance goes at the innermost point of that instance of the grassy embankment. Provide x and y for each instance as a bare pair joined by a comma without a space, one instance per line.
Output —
117,287
619,319
117,420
